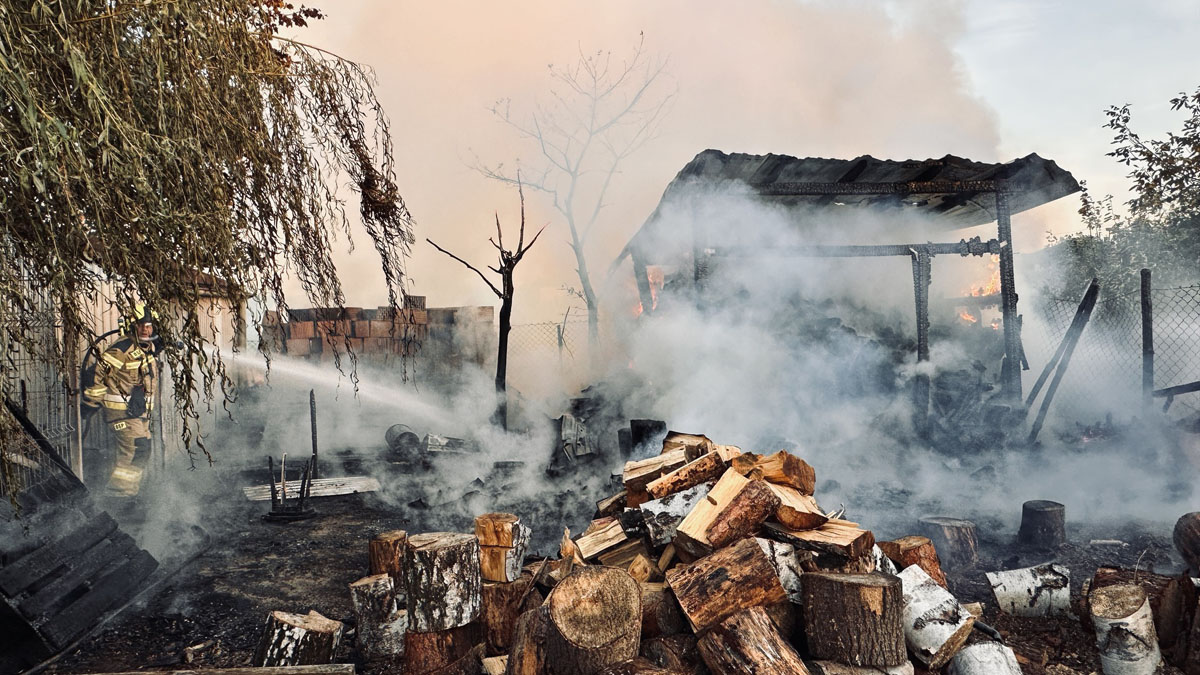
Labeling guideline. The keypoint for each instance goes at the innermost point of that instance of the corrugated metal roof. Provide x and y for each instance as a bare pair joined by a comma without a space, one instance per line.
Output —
950,192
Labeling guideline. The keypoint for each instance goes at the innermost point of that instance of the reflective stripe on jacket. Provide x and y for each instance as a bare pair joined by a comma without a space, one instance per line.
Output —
125,366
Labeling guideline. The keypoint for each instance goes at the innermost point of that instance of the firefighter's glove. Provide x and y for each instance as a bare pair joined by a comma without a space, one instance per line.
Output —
136,406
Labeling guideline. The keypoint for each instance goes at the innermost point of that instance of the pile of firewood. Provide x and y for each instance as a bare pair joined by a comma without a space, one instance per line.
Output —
711,560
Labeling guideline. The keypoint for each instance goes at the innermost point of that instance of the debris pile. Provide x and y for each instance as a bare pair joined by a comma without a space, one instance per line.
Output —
715,560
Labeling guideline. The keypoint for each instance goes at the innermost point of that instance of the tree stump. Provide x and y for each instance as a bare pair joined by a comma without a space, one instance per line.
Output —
1043,524
501,610
386,555
915,550
595,617
1172,602
732,579
985,658
1187,539
298,640
854,619
748,642
935,625
954,540
381,624
442,580
444,651
1044,590
1124,630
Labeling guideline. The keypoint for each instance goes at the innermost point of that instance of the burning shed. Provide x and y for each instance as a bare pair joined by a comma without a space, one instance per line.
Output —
922,198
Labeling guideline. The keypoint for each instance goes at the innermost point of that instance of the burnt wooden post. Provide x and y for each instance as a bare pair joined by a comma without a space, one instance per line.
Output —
312,416
1147,341
922,276
643,282
1063,356
1010,372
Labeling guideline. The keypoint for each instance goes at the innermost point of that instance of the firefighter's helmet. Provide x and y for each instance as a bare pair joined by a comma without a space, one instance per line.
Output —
139,315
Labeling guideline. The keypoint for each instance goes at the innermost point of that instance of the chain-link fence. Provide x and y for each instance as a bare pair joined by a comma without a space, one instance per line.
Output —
1105,372
547,358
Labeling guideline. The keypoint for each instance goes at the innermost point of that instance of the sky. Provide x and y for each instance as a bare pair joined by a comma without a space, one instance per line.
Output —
988,80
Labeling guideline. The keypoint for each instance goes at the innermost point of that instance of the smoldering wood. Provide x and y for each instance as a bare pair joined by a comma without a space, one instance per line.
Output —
1044,590
935,625
954,539
985,658
730,580
502,604
380,623
298,640
747,642
444,651
1124,630
442,580
595,619
1043,524
321,487
856,619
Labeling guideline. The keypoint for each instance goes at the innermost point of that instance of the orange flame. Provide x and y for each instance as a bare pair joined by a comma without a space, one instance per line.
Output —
966,316
992,286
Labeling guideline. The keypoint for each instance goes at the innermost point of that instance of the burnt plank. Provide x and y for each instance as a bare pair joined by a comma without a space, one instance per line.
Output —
79,570
26,571
117,585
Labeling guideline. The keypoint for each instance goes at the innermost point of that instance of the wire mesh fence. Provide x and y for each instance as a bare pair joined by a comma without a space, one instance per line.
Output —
1105,372
547,357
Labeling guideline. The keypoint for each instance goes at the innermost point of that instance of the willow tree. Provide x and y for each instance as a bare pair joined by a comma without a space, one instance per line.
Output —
157,146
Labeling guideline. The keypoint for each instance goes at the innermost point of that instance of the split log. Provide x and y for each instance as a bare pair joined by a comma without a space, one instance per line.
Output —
502,604
298,640
635,666
638,474
693,445
784,468
985,658
386,554
445,651
954,540
1044,590
935,625
502,562
1172,603
742,515
595,620
797,511
528,655
442,580
882,562
834,668
915,550
854,619
495,665
744,463
704,469
667,558
690,537
748,642
661,614
1187,539
321,669
1124,630
381,624
732,579
642,569
602,535
836,537
624,554
470,664
611,506
676,653
1043,524
498,529
788,564
662,516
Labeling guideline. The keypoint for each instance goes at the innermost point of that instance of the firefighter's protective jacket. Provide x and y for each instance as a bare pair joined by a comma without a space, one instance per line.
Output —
126,365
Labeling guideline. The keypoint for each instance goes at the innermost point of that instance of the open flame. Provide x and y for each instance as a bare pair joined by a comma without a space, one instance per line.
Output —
992,286
656,277
967,316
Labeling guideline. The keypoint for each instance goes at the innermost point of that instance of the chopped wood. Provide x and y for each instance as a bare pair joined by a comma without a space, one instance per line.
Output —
797,511
936,626
838,537
316,669
693,445
675,653
915,550
1044,590
787,563
748,642
727,452
623,555
1172,601
498,529
318,487
528,654
882,562
661,517
1124,630
661,614
856,619
667,557
744,463
691,535
602,535
385,554
835,668
638,474
705,468
453,651
298,640
635,666
502,604
985,658
742,515
610,506
495,665
784,468
732,579
380,623
503,563
442,580
595,619
954,539
641,569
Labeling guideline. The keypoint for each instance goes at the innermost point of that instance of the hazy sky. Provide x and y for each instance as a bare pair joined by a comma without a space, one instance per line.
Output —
989,80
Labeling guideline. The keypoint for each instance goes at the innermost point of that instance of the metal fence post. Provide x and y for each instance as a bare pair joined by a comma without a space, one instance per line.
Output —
1147,341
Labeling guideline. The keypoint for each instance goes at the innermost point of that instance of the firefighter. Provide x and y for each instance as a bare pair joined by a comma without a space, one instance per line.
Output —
125,382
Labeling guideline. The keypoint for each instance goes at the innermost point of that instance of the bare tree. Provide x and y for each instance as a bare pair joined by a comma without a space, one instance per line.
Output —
601,112
506,267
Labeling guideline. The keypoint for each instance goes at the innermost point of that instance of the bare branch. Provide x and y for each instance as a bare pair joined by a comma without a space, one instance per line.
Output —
470,267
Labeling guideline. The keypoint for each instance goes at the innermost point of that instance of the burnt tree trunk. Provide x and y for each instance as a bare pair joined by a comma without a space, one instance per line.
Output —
298,640
506,304
748,642
1043,524
595,617
854,618
442,580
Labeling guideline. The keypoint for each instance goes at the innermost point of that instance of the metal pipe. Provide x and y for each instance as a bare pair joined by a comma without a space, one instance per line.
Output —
1147,341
